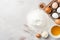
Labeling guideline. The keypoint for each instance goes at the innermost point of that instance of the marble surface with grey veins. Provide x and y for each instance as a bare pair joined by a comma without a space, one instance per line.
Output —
13,17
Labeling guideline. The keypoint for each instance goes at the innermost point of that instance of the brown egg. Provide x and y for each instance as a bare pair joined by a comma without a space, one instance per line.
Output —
58,1
57,21
48,9
38,35
42,5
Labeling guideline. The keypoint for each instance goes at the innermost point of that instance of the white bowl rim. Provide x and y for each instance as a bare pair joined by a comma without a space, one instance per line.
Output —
52,34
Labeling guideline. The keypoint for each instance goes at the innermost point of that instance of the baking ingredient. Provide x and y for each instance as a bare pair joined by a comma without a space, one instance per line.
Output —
54,5
42,5
55,30
58,9
58,1
37,19
55,15
48,9
57,21
44,34
38,35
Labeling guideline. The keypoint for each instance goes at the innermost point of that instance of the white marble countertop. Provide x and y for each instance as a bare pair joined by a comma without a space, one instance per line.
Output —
13,17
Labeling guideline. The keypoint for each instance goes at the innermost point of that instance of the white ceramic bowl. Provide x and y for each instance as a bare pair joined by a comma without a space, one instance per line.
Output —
52,34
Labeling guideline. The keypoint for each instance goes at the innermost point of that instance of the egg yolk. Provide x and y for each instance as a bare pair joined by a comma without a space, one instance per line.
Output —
55,30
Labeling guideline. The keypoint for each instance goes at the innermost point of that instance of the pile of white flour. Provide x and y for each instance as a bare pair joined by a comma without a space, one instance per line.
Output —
37,19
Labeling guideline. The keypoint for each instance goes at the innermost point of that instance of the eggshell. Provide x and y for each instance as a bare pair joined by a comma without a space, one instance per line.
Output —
48,9
57,21
54,5
38,35
58,9
55,15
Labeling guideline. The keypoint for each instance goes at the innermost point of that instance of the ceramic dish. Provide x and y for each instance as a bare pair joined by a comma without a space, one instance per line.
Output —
52,34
